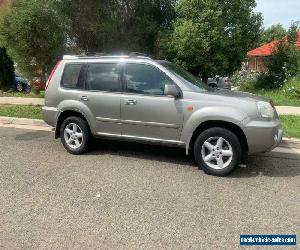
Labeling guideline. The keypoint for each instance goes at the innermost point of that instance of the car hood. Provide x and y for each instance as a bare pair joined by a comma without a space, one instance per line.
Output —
244,102
238,94
226,95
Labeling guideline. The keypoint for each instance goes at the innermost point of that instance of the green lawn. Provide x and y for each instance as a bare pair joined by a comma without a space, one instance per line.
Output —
280,98
20,94
31,112
291,125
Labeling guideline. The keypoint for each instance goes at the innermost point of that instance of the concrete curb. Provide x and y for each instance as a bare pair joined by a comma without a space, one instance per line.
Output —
22,121
288,110
290,143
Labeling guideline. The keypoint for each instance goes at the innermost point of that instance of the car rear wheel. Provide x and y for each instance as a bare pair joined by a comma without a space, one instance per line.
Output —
217,151
27,89
213,85
75,135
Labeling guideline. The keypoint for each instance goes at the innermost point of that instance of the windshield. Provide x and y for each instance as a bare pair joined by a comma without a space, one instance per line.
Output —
187,78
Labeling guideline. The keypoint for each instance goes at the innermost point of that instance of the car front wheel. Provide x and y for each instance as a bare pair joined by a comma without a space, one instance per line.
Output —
217,151
27,89
19,87
75,135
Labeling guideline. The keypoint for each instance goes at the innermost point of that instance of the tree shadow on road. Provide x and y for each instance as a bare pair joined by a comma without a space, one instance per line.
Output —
142,151
270,165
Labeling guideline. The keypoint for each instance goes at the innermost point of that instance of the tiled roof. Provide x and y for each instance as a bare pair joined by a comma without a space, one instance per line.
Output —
268,48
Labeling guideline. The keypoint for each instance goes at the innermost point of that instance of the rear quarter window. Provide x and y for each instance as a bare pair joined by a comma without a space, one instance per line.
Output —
73,76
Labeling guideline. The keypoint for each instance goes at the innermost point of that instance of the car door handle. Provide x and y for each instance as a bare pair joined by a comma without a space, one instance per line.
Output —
130,102
84,98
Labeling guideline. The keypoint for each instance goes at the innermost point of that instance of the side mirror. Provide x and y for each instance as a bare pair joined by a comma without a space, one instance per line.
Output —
171,90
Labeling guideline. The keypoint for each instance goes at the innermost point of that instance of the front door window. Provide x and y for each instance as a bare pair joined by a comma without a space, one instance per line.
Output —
146,79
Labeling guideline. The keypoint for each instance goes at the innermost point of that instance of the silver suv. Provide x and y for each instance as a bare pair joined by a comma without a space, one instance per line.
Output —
139,99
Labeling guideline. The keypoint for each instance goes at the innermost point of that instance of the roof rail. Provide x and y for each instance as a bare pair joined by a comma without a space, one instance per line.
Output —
138,54
97,54
87,55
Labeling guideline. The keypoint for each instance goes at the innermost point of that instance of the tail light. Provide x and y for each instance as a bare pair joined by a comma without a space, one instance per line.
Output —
52,74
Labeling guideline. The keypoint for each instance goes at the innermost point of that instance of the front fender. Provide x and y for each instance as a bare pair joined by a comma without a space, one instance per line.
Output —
225,114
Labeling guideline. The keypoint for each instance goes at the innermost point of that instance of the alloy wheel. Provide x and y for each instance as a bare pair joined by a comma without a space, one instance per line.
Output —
217,153
73,136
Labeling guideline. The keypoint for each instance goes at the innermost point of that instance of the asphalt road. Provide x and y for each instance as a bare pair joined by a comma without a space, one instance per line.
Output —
131,196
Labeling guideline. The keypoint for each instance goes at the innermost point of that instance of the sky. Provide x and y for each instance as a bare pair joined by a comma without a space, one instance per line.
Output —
279,11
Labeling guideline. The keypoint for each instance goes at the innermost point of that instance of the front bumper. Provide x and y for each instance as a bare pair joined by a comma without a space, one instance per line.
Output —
263,136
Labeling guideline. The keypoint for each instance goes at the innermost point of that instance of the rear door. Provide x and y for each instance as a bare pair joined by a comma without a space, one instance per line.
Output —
103,95
145,111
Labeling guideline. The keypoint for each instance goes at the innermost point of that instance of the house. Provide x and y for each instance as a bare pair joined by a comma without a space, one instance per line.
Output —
257,57
3,2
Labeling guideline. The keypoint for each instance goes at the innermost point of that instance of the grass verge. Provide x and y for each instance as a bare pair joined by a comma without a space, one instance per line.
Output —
20,111
291,125
24,95
280,98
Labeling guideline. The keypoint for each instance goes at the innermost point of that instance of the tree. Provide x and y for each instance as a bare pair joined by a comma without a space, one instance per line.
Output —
33,33
7,71
115,25
275,32
212,36
37,32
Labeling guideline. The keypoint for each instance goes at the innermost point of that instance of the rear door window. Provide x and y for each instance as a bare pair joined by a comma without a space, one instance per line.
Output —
103,77
73,77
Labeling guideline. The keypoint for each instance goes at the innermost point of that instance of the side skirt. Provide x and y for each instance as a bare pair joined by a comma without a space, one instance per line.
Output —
145,140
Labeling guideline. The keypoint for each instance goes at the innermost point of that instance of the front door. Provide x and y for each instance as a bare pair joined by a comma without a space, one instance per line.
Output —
145,111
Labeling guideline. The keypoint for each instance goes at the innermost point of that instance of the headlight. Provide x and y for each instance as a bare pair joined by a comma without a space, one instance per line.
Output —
265,109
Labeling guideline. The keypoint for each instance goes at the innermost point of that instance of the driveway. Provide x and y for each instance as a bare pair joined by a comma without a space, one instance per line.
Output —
132,196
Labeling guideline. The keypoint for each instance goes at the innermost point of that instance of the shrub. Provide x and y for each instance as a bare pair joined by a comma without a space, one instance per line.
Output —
244,80
280,67
292,88
7,71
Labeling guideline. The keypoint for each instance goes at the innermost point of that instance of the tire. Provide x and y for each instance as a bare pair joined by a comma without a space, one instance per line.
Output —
27,89
217,151
213,85
19,87
76,139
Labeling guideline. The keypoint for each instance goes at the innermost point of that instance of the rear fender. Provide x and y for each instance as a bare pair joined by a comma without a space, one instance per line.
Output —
79,107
